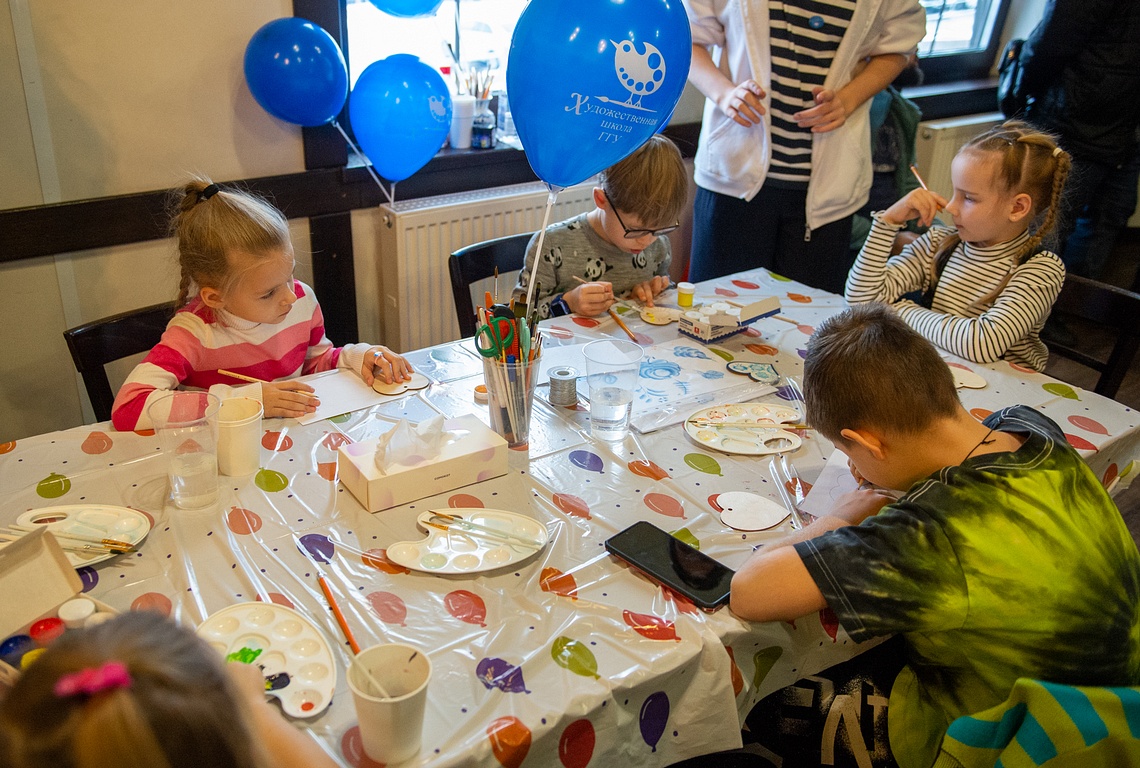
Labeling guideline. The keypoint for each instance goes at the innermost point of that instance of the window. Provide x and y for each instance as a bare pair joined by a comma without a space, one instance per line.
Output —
477,32
961,38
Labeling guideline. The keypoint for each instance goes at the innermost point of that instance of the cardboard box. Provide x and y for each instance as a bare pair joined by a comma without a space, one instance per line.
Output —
472,453
35,579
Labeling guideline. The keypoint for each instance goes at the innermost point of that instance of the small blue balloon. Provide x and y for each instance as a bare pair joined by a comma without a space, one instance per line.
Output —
407,9
400,111
296,72
590,82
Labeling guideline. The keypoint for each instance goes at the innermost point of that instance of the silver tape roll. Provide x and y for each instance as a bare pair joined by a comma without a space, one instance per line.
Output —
564,387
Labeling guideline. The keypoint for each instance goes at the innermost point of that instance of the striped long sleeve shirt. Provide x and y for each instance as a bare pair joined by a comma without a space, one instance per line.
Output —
198,342
1008,328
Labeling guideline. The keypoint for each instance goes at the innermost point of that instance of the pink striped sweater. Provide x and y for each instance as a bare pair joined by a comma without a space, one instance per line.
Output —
198,342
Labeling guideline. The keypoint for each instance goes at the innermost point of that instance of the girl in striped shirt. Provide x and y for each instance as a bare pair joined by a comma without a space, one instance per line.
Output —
242,311
986,285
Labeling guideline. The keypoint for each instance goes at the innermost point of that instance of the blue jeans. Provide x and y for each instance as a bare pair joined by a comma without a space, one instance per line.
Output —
1098,200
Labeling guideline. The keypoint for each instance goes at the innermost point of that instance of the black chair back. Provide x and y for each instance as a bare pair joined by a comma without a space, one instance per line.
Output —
93,345
473,263
1109,306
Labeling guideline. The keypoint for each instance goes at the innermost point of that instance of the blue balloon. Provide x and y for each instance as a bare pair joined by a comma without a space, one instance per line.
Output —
400,111
296,72
407,9
590,82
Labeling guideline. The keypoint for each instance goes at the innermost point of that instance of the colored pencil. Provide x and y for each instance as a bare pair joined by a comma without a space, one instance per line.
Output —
918,176
621,325
242,377
336,612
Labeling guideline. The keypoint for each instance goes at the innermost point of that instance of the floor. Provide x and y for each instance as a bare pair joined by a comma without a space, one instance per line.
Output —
1122,270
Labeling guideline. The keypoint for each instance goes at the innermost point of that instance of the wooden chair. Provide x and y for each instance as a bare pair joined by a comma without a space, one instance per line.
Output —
473,263
95,344
1105,305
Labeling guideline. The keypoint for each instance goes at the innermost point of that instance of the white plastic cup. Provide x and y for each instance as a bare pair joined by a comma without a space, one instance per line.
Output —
239,436
187,425
391,726
462,119
612,367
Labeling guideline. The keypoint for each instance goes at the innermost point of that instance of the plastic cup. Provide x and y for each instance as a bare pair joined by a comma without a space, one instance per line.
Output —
391,726
612,367
187,425
239,436
510,395
462,121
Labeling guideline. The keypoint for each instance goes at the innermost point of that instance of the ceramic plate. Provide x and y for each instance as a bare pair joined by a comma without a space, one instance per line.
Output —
752,429
460,550
93,520
749,511
291,651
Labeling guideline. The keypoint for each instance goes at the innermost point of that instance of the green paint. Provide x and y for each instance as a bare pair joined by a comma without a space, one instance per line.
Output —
53,486
244,656
763,662
574,656
270,480
703,463
685,535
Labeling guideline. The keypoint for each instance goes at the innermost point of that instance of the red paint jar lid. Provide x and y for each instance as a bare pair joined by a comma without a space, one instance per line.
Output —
46,630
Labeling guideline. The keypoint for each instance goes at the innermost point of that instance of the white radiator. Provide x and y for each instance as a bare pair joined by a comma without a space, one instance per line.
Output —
418,236
938,141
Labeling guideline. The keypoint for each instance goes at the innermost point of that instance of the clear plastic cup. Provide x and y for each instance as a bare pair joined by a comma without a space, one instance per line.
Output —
187,425
612,367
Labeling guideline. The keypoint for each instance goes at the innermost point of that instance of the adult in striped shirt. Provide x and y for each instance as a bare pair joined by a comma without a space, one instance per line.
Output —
242,311
784,158
987,287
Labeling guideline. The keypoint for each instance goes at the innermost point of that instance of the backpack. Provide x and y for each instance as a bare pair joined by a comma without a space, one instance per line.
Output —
1012,100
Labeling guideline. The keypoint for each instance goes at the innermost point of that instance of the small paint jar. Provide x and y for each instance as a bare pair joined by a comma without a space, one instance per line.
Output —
31,656
693,314
685,293
46,630
75,612
481,395
719,306
96,619
14,648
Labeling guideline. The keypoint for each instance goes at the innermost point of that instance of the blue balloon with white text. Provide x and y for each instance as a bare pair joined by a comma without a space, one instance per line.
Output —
296,72
400,111
590,82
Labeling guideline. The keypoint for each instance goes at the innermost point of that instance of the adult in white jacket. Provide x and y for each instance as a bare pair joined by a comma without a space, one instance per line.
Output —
779,178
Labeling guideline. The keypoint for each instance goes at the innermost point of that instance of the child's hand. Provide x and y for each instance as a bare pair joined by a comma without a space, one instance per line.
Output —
248,680
829,111
384,364
590,299
644,292
288,399
742,103
855,473
854,507
921,204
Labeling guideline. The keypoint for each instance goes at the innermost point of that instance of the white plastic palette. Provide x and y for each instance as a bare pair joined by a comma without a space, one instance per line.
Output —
470,551
749,511
292,652
752,429
90,520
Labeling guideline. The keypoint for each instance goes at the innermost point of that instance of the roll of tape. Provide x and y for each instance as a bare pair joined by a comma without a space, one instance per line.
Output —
564,386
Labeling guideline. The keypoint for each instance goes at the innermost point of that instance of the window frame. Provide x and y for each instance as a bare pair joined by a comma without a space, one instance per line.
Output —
973,65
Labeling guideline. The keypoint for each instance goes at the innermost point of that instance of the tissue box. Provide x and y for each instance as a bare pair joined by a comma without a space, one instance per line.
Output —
472,453
35,579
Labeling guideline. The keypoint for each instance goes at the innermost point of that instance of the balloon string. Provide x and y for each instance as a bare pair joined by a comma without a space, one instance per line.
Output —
538,250
368,166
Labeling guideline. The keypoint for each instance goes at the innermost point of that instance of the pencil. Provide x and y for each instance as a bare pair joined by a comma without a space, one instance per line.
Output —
621,325
242,377
336,612
918,176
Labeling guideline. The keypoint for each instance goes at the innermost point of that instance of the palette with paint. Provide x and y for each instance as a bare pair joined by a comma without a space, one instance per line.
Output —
291,651
752,429
496,538
95,521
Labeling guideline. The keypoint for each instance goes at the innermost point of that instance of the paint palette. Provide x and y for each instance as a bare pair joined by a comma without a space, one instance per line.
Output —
659,315
418,381
494,539
752,429
292,652
97,521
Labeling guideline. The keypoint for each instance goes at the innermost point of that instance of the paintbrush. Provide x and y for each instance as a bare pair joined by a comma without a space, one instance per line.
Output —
621,325
125,546
470,526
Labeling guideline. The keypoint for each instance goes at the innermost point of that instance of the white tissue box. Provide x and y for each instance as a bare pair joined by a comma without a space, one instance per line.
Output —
471,453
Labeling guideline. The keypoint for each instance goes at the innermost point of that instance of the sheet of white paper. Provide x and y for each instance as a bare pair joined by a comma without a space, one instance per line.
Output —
340,392
834,481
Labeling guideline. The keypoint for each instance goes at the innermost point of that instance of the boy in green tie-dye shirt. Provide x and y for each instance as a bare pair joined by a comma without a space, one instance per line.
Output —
1005,558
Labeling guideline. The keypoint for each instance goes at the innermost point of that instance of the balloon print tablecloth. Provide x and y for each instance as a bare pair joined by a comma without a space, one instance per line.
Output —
567,658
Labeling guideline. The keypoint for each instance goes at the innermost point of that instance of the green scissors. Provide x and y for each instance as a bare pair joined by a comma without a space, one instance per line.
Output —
499,341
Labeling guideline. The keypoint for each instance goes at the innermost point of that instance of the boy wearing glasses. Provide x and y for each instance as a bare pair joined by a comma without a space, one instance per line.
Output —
617,247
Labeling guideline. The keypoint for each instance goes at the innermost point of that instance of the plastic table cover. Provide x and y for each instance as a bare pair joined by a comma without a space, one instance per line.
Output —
567,658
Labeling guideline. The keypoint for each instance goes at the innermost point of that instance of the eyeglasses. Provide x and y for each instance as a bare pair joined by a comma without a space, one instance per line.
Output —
633,234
